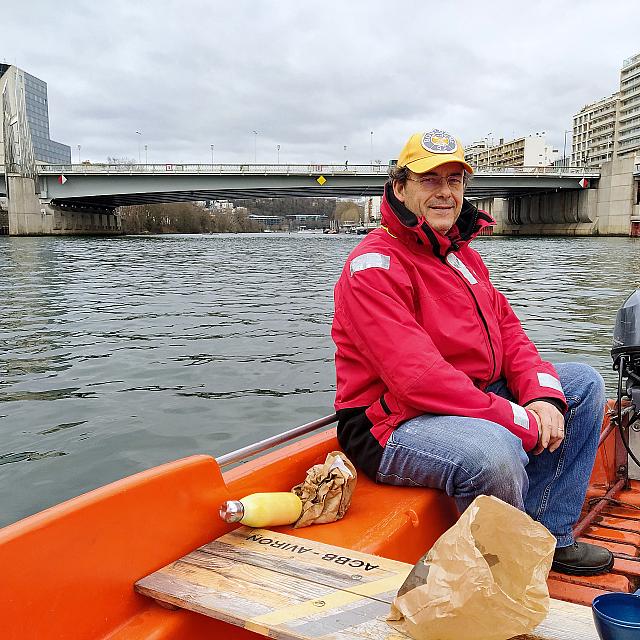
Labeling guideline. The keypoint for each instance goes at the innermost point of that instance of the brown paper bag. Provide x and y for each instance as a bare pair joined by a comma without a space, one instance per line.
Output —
326,491
484,579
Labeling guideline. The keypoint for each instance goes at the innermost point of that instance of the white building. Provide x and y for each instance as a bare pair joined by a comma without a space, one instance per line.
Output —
224,206
628,138
610,126
476,153
528,151
372,209
594,129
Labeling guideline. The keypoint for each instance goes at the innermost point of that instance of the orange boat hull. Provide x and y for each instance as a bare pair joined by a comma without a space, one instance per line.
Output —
69,571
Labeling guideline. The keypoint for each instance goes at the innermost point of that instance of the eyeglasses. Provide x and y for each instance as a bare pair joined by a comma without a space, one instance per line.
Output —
455,182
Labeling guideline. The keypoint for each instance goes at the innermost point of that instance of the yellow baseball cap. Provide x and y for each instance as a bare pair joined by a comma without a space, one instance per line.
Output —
427,150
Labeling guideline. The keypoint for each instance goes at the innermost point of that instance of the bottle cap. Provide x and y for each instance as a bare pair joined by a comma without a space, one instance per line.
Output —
231,511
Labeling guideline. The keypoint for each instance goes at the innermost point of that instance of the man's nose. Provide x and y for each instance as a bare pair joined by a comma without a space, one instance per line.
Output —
443,188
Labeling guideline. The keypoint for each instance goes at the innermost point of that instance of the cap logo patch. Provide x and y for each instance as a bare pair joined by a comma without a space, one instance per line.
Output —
439,141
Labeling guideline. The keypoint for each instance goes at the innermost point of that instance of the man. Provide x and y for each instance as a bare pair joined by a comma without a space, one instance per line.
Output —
437,383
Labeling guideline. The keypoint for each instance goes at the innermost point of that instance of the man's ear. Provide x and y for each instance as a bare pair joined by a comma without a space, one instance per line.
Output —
398,189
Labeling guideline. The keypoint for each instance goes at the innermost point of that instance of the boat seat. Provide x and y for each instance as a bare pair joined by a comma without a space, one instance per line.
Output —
400,523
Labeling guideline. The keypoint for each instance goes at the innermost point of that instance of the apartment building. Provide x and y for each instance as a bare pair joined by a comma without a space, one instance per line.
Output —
528,151
610,126
594,132
628,138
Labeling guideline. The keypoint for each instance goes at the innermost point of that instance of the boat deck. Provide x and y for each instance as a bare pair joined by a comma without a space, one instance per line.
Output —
611,518
617,527
280,586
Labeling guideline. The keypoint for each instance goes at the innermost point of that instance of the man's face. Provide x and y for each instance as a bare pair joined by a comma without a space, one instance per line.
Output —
436,195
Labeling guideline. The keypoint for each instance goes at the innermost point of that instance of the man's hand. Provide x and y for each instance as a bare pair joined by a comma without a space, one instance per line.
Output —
550,426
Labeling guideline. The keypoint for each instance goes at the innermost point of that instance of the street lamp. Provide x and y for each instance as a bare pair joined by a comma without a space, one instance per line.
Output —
488,149
146,155
371,154
255,147
278,154
211,153
564,151
139,136
79,147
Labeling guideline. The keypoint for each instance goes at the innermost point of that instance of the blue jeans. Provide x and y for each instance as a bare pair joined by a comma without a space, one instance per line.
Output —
468,457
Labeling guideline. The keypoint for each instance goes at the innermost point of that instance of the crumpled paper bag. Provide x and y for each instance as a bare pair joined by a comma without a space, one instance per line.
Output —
326,491
484,579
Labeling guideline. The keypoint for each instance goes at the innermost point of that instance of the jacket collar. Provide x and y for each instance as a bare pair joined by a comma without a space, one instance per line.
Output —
415,231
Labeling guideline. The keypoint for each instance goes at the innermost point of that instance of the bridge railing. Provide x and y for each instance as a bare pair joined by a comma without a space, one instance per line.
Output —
288,169
213,169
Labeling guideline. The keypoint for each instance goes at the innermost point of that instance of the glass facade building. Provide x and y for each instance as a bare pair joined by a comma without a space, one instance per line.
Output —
46,151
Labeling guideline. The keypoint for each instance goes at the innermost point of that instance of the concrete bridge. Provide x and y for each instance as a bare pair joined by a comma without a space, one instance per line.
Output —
118,185
79,199
84,199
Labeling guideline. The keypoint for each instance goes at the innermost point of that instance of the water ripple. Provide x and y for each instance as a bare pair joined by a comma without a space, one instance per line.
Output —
119,354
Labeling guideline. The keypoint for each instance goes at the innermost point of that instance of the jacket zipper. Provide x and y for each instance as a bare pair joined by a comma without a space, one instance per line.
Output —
484,321
426,230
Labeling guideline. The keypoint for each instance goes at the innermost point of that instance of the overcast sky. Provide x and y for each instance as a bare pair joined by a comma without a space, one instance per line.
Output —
313,77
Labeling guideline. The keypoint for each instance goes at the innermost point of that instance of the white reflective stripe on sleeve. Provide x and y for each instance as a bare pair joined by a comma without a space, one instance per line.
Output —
520,416
547,380
369,261
461,267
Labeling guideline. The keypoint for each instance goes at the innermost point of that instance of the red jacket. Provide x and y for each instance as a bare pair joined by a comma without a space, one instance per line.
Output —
419,328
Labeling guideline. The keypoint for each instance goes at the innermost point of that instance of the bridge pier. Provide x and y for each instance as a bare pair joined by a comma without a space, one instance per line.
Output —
618,197
564,213
612,208
29,215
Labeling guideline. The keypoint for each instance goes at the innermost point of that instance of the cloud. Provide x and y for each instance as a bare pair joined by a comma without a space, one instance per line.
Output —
312,77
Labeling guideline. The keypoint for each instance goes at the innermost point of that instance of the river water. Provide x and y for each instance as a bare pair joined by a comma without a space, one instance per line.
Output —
119,354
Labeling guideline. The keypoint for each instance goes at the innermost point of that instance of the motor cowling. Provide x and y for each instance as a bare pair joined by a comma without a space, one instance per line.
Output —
626,361
626,333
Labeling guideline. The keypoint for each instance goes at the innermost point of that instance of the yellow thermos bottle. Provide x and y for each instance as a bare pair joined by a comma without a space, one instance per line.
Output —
263,509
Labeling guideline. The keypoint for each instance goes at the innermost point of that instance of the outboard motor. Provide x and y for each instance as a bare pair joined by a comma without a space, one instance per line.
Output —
626,361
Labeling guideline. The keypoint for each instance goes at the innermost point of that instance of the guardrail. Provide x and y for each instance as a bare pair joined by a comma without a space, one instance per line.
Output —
288,169
282,438
215,169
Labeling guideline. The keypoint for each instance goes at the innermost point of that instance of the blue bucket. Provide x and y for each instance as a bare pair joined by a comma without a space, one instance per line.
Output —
617,615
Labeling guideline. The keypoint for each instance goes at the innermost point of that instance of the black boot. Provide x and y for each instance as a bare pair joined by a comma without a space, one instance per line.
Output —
582,559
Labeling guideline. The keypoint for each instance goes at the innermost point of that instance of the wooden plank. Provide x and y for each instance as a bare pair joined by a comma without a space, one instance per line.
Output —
614,547
574,593
565,621
605,581
627,566
598,532
284,586
290,588
332,566
620,524
622,512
